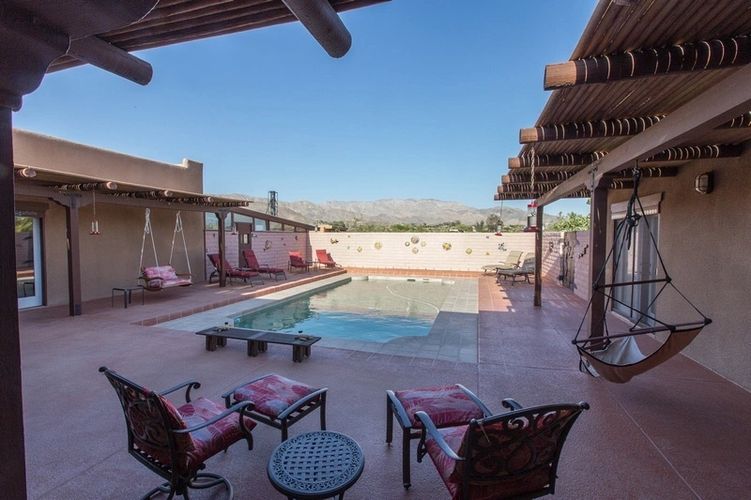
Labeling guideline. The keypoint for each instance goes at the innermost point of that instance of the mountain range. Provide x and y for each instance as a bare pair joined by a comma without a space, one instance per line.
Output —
388,211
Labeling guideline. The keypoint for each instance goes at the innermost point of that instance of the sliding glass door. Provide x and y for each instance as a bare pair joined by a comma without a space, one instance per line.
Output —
637,263
28,261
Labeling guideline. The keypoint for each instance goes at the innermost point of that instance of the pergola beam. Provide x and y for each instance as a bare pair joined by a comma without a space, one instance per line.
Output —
725,100
322,21
517,177
648,62
106,56
684,153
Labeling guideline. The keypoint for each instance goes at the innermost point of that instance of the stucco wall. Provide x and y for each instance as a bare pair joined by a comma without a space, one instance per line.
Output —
111,258
704,240
41,151
467,251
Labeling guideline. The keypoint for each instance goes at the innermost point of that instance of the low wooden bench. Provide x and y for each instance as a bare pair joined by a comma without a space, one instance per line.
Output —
259,340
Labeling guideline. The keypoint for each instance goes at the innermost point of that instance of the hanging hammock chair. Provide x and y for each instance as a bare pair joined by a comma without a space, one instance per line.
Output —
616,356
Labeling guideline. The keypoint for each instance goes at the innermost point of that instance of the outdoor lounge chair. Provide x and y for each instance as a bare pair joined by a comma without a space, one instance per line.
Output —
523,271
324,259
160,277
511,455
448,406
511,262
297,262
232,272
253,265
174,442
279,401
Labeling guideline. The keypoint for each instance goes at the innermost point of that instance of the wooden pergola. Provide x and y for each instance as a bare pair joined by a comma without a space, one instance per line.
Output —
39,36
651,85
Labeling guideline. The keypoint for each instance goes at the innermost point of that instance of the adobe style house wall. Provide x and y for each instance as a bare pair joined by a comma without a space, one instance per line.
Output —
36,150
433,251
705,241
111,258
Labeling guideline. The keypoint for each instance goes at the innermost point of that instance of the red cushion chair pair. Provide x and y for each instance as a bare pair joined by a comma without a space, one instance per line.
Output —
231,271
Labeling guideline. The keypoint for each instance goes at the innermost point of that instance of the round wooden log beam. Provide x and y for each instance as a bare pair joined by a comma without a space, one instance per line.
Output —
26,173
617,127
322,21
641,63
89,186
106,56
523,175
560,160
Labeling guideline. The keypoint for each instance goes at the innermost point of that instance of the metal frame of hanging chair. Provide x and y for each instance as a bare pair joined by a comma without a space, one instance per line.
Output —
633,360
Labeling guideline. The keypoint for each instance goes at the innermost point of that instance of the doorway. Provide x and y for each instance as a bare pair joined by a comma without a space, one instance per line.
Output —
637,263
28,261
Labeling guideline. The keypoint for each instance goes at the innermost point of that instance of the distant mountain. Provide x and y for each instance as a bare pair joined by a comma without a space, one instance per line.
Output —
389,211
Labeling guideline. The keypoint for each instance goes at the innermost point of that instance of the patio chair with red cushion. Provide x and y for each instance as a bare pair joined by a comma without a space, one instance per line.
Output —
232,272
174,442
279,401
297,262
325,259
511,455
448,406
253,265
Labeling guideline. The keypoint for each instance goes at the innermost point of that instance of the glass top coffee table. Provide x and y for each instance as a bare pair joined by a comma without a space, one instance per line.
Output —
320,464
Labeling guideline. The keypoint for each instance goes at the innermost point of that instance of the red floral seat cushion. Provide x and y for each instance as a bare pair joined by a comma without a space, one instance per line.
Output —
273,394
210,440
239,273
447,406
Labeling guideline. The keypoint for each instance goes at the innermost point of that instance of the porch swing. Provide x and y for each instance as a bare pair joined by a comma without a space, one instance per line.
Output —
156,278
616,356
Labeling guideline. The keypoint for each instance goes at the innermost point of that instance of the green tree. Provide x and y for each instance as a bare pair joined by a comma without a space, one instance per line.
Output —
570,222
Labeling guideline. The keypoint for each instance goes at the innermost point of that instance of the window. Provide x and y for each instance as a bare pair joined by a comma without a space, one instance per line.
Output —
259,225
275,226
637,263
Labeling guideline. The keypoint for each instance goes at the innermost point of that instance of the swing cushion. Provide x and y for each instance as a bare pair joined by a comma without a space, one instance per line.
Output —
163,277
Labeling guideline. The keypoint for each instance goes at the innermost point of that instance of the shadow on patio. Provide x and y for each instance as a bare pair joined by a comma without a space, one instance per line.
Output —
657,436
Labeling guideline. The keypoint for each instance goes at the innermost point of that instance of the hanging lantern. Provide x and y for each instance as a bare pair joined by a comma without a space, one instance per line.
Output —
94,221
531,217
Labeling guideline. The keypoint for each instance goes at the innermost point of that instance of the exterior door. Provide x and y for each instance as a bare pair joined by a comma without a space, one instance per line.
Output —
637,263
243,240
28,261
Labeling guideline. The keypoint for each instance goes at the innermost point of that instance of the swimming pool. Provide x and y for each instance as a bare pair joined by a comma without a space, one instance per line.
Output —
367,309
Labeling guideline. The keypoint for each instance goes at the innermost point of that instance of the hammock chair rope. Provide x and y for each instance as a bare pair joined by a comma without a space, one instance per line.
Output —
179,229
617,357
147,231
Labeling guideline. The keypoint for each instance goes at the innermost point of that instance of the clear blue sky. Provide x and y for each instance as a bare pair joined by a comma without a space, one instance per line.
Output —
427,104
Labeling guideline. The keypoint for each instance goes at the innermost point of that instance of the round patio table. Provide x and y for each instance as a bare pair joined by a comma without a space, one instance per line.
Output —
320,464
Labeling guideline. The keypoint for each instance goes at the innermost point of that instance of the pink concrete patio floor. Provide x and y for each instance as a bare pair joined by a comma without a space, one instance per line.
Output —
678,432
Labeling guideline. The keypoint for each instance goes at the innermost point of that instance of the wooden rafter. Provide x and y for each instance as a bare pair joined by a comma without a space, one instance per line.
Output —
647,62
684,153
523,175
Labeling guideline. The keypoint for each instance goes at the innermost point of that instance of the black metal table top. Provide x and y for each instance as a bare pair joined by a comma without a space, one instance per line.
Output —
260,335
318,464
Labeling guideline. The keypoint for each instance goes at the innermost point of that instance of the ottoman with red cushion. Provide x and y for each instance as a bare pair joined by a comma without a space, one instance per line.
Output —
279,401
448,406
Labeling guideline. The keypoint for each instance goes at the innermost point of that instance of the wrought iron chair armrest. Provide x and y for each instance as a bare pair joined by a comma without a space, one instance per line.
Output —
431,430
190,384
302,402
485,410
401,413
511,404
241,408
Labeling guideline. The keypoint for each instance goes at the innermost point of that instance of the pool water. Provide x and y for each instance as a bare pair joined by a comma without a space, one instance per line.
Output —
372,310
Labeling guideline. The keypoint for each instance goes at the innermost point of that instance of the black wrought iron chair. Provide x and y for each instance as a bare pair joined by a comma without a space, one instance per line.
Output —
512,455
174,442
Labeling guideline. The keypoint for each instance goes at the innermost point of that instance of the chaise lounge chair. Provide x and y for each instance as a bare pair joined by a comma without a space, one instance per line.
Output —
232,272
511,262
297,262
324,258
523,272
253,265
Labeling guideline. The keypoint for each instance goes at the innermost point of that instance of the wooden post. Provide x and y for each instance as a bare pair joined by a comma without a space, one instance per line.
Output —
222,276
74,256
12,457
598,252
538,259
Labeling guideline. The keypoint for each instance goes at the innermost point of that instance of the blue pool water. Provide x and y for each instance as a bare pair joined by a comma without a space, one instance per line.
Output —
372,310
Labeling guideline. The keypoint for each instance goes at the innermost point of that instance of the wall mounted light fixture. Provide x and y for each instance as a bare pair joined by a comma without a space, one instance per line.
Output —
704,183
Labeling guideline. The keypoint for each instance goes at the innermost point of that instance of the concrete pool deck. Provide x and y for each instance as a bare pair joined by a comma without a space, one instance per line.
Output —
452,337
